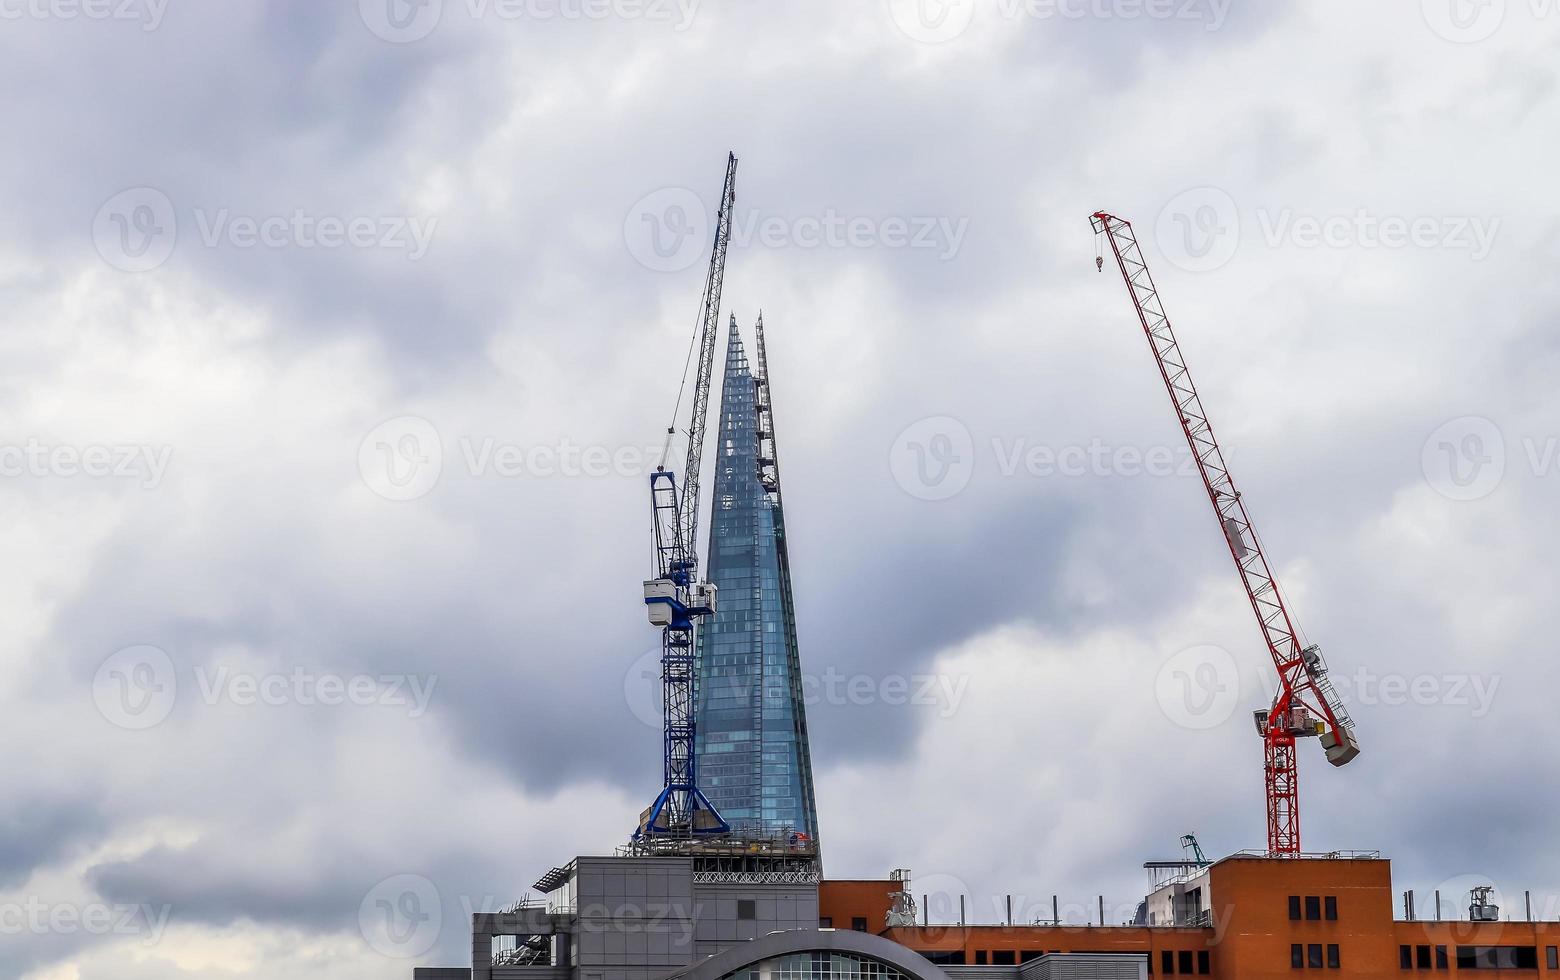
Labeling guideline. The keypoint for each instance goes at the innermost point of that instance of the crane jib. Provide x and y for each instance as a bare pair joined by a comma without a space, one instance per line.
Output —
1306,704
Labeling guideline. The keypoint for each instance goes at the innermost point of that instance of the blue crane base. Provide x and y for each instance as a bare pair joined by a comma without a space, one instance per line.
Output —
681,811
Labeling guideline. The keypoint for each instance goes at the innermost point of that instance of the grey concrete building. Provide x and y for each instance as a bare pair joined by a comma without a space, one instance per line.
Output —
736,914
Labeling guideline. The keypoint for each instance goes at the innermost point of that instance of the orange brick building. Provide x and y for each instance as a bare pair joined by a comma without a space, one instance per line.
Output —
1246,917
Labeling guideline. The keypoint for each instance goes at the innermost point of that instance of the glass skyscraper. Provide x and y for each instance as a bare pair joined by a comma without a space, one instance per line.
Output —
754,763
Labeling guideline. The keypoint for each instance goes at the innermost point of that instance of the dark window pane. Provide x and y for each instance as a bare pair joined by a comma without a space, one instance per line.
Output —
1203,966
825,922
1332,956
1313,907
1297,956
859,924
980,957
1406,957
1167,963
1332,907
1552,957
1313,955
1440,957
1004,957
747,909
1422,957
1294,906
1184,961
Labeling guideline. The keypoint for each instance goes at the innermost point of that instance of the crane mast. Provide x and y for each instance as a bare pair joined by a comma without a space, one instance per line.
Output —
676,600
1306,703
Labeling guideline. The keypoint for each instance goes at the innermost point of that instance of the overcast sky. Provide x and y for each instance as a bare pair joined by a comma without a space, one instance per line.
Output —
338,339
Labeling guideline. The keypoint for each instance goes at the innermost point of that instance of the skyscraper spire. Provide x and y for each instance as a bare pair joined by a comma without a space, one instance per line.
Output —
752,722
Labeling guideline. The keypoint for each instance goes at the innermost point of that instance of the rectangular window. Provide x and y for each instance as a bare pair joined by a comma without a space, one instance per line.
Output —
1296,956
980,957
1313,907
1003,957
1497,957
1167,963
1552,957
1422,957
1332,908
1294,906
1028,955
1332,956
1183,962
825,922
1406,957
1440,957
858,923
1203,966
747,909
1313,956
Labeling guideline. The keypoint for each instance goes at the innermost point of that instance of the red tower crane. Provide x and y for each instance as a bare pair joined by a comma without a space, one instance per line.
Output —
1306,703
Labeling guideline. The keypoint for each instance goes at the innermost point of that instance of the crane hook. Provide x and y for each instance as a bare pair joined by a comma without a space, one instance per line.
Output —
1099,263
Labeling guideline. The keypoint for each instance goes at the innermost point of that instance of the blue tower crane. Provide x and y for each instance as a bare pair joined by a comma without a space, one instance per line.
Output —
675,598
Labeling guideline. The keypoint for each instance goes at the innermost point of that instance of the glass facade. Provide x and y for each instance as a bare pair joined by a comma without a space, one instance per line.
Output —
752,726
819,966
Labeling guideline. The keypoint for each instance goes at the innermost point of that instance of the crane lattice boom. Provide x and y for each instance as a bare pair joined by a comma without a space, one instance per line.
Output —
1306,703
675,599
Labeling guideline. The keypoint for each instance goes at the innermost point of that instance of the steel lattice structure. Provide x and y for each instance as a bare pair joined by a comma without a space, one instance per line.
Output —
1306,703
675,598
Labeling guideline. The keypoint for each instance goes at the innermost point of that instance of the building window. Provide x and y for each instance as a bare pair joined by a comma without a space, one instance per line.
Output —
1406,957
1003,957
1313,955
858,923
1332,956
1422,957
1296,956
1029,954
825,922
1440,957
954,958
1332,908
1313,907
1497,957
1552,957
747,909
1167,963
1294,906
1184,961
980,957
1203,966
